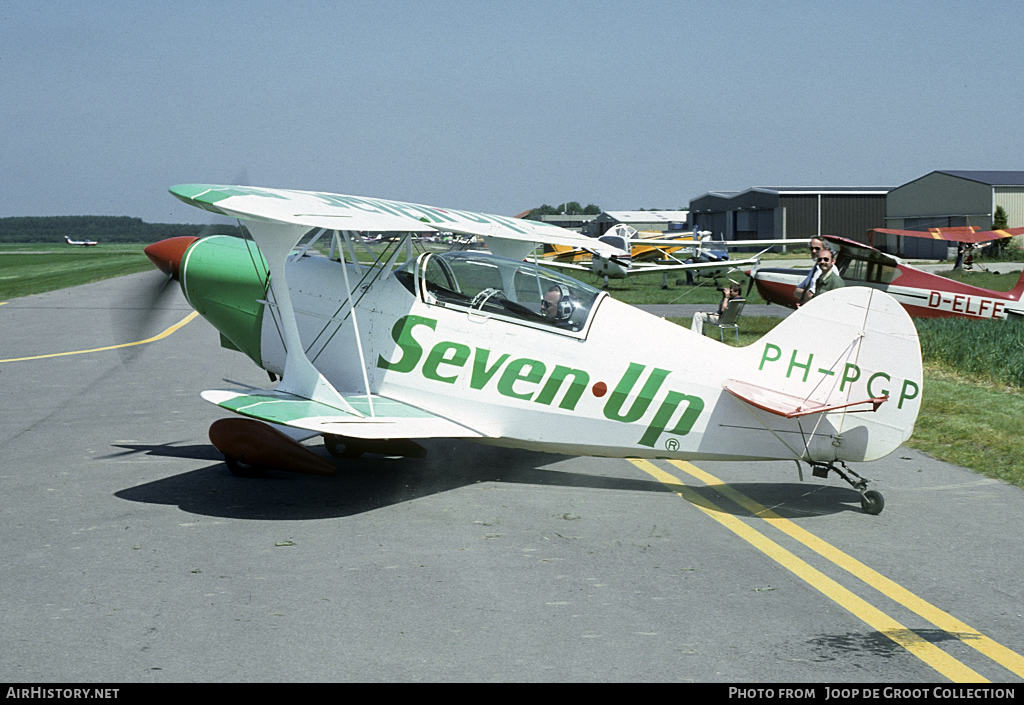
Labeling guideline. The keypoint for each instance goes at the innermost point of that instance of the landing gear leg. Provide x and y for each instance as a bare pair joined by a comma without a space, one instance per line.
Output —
871,501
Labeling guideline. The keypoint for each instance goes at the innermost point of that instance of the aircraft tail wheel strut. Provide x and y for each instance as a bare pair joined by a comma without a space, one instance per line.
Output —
871,501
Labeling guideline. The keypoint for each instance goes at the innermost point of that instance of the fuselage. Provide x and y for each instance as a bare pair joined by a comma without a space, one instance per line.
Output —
461,335
922,294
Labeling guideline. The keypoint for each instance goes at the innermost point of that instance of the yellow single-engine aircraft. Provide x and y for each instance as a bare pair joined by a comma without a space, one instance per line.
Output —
625,253
499,350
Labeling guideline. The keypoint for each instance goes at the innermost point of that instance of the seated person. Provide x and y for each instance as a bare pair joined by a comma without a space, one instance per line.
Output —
728,294
806,285
826,277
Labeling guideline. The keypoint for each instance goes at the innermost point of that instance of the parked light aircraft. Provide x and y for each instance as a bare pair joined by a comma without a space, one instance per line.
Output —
83,243
626,254
922,294
502,351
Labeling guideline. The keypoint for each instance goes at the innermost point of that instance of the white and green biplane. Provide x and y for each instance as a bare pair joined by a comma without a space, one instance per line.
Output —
494,348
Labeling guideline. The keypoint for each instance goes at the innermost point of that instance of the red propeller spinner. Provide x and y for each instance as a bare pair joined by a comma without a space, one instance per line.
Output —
167,254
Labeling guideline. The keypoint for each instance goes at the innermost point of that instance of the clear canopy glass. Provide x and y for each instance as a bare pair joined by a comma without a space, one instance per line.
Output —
503,287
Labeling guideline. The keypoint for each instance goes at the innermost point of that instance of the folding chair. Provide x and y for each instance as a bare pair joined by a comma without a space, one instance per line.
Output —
728,319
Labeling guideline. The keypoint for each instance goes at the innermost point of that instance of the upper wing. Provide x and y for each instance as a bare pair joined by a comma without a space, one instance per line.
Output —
859,250
565,265
337,212
665,266
669,265
721,244
970,233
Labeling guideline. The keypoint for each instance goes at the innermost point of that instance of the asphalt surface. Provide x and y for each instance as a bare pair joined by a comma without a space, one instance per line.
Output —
132,555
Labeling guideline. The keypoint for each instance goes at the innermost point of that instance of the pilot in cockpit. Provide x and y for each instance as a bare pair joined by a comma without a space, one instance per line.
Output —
559,305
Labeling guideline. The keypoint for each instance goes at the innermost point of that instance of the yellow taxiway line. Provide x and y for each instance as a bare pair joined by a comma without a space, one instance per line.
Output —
1005,657
926,651
155,338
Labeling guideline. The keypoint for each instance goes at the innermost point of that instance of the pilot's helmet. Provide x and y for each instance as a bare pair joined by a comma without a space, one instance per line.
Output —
566,303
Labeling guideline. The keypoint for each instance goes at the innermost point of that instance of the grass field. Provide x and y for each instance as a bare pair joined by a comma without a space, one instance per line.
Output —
974,370
34,269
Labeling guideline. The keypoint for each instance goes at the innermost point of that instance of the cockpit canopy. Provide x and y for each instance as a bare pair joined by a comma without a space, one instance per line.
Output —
505,288
616,241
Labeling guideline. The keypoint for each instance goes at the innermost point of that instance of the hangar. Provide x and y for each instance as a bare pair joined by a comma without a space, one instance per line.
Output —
947,198
765,213
950,198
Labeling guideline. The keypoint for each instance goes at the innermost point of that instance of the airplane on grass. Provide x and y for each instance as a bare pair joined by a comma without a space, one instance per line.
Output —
922,294
502,351
83,243
626,254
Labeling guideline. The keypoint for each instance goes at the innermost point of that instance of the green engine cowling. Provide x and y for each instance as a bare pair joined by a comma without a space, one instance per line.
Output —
224,279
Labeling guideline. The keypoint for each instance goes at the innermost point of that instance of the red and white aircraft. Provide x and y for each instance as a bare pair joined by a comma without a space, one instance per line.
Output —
922,294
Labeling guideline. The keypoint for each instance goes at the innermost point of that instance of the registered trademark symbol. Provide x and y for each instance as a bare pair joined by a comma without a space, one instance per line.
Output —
672,444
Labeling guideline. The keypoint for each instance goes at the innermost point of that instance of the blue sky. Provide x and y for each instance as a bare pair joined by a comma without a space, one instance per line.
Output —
496,106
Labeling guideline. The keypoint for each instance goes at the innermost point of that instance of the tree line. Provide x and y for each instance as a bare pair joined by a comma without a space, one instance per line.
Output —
102,228
570,208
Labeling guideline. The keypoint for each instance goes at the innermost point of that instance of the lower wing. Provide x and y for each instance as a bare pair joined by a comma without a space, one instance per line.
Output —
380,417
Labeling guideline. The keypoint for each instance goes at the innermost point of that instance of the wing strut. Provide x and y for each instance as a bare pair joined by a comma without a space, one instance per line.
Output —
347,235
301,378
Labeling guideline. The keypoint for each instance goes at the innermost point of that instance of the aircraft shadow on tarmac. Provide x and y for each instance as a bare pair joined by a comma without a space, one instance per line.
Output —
375,482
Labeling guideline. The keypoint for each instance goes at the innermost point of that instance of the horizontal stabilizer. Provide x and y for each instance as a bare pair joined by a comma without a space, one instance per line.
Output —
387,419
782,404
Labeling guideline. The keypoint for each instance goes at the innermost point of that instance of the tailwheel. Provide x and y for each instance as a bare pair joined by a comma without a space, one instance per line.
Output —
871,501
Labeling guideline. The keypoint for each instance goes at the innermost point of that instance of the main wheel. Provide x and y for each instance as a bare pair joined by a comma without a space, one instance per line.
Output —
240,469
872,502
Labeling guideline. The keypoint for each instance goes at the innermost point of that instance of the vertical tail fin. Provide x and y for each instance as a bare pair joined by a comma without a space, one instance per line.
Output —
1017,290
835,355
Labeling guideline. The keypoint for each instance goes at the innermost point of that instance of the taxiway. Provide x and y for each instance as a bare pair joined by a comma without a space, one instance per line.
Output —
132,555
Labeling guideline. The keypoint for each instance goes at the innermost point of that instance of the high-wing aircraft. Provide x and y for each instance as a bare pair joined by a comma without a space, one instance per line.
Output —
965,233
922,294
83,243
502,351
626,254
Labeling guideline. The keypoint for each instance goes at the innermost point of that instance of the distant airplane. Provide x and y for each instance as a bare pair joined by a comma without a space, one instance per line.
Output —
922,294
82,243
